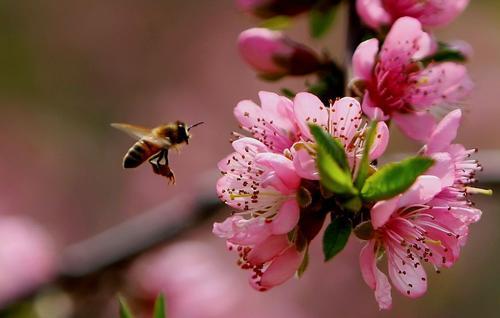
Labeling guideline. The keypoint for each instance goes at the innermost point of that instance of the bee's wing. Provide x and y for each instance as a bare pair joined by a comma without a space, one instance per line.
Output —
139,132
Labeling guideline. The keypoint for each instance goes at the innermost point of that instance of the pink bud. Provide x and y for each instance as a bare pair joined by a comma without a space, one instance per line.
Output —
272,54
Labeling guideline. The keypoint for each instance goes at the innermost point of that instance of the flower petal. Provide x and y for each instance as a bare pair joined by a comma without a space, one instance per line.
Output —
381,141
421,192
282,268
443,168
287,217
363,59
304,163
402,42
382,211
446,83
408,278
445,132
281,171
240,231
268,249
373,13
374,277
345,119
417,125
309,109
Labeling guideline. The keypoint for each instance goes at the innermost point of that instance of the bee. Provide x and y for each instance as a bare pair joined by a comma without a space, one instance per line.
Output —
153,145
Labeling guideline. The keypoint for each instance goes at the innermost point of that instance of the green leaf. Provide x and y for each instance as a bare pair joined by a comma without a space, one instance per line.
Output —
394,178
279,22
304,264
332,146
124,308
364,164
288,92
332,176
445,53
320,21
159,310
336,237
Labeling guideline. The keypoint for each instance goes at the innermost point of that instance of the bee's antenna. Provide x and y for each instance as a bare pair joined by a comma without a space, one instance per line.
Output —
197,124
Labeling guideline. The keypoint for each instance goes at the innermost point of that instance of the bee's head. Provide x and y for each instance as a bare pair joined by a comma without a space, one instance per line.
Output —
182,132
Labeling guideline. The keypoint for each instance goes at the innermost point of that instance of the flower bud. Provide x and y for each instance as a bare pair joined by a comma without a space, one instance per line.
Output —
273,55
271,8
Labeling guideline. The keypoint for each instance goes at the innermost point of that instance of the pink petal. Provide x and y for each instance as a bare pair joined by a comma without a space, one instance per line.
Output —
240,231
409,280
287,218
402,43
268,249
447,11
372,13
445,132
421,192
247,145
273,124
345,119
304,164
247,112
443,168
282,168
382,211
446,83
309,109
374,277
282,268
381,141
417,125
364,59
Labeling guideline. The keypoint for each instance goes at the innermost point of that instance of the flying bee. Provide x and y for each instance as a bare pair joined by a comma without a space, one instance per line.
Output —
153,145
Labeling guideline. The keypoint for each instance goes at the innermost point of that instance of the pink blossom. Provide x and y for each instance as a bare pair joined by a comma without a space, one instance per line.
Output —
262,186
398,87
273,124
27,257
411,230
431,13
272,54
455,168
261,178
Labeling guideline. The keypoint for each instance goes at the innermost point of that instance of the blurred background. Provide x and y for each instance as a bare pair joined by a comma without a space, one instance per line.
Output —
69,68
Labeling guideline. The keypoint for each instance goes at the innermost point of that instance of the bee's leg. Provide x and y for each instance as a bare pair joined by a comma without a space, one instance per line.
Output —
159,162
155,161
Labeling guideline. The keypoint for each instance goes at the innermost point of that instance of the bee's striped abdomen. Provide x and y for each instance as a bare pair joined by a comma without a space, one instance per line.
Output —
138,153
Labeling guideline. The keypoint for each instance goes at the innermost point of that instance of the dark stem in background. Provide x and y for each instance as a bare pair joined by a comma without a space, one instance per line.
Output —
355,31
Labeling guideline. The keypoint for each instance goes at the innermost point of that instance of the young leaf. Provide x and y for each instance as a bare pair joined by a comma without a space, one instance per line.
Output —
364,164
279,22
332,176
159,310
288,92
332,146
320,21
394,178
336,236
124,308
304,264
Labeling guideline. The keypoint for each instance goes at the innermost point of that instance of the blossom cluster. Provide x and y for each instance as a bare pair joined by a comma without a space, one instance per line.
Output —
308,164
